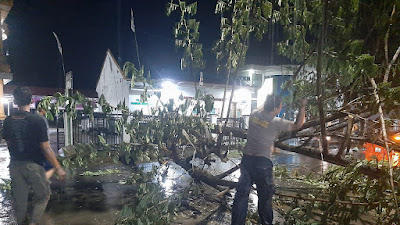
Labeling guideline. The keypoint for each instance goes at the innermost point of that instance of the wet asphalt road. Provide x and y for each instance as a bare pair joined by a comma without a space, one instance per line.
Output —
85,200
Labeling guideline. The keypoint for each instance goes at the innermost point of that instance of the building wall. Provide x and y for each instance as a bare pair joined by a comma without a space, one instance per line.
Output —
136,104
112,83
241,101
116,88
267,80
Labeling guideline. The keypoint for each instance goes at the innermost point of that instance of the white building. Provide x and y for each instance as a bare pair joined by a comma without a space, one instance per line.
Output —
265,80
116,87
112,82
257,83
171,89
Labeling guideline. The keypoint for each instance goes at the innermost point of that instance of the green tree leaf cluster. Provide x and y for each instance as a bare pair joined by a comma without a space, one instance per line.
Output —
186,33
355,35
346,195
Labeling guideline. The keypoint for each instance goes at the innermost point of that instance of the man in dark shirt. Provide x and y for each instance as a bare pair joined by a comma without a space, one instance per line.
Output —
28,143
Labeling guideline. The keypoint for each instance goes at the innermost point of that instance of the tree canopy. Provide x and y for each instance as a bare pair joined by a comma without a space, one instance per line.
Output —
341,48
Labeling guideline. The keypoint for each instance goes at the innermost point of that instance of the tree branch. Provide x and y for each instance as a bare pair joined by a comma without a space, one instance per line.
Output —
349,130
385,139
386,77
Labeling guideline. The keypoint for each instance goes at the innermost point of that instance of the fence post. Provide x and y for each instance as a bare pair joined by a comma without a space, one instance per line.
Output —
125,137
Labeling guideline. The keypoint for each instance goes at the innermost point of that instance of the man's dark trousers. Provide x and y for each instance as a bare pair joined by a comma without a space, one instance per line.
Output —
258,170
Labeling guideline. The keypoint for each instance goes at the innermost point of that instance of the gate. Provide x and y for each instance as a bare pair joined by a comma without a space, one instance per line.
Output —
235,123
87,130
59,122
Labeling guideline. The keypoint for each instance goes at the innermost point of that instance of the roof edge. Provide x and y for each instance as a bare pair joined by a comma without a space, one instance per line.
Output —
116,63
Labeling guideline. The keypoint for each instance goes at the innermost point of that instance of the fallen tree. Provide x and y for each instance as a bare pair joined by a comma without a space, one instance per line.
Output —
342,43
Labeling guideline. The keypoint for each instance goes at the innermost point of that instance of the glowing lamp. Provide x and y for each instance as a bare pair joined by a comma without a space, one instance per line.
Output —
168,85
169,91
396,137
4,100
3,35
328,138
251,71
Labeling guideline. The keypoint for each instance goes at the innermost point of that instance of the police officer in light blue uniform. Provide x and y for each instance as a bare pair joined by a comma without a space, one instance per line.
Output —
256,166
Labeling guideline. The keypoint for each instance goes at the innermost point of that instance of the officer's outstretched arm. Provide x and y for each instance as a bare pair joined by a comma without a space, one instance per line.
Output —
301,116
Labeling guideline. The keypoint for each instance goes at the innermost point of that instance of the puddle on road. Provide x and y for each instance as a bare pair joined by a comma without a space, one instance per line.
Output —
90,200
5,206
303,165
4,162
93,200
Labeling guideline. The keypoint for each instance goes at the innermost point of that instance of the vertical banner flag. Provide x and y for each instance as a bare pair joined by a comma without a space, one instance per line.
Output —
58,43
132,22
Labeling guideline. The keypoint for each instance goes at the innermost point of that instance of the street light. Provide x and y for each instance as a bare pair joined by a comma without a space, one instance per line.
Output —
251,71
4,100
168,85
169,91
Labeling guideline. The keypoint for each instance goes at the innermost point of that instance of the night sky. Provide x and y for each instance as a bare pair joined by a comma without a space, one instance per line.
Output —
87,28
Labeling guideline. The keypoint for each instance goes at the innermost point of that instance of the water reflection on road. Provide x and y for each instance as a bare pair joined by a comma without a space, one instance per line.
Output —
303,165
5,207
4,162
292,161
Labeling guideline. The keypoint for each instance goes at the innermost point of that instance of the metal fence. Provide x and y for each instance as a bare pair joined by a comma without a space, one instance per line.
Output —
59,123
87,130
234,122
241,123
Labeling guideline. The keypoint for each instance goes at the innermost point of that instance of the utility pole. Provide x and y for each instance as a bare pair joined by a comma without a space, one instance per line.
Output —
119,56
134,36
68,85
68,119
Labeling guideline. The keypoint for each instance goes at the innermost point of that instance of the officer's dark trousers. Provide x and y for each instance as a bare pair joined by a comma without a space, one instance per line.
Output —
258,170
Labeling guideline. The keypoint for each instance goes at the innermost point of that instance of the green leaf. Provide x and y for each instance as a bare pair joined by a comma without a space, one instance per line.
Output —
171,7
115,159
192,8
209,102
128,158
182,5
266,9
102,140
